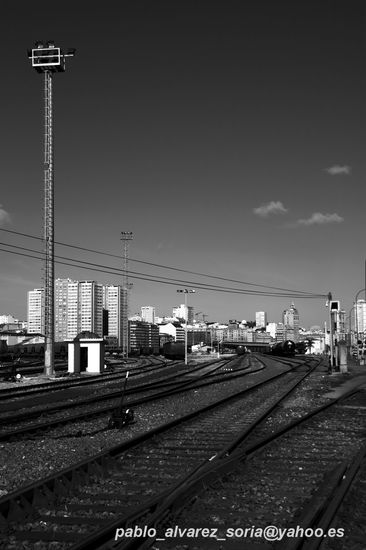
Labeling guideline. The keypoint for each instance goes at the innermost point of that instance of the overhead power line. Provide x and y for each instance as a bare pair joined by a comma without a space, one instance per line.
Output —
157,279
289,292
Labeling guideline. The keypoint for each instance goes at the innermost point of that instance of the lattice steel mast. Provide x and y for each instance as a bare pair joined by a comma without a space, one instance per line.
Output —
48,59
126,237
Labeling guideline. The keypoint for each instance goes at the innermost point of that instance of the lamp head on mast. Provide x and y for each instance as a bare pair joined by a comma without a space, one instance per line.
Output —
46,57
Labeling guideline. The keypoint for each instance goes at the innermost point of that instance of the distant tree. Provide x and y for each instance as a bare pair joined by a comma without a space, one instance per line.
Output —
250,324
309,343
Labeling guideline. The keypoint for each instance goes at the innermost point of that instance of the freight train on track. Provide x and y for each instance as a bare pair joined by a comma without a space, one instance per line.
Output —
281,349
175,350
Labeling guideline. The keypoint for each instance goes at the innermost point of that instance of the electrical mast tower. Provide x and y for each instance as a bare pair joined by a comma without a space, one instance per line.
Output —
48,59
126,237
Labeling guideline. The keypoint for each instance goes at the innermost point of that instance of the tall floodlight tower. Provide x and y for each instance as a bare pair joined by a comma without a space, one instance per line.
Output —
48,59
126,237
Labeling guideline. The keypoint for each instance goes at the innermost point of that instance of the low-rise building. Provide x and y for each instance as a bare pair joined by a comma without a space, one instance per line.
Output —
143,338
173,329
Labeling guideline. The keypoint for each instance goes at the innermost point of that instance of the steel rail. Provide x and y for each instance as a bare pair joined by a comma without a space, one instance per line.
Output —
61,383
20,502
321,510
173,503
218,465
53,423
92,400
185,385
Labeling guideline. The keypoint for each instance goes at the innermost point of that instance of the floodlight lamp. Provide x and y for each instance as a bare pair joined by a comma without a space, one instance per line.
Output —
50,44
39,44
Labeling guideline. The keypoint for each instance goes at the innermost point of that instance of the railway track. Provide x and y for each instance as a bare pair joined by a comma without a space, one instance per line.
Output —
91,407
71,382
37,366
306,467
28,367
320,511
68,506
348,489
153,379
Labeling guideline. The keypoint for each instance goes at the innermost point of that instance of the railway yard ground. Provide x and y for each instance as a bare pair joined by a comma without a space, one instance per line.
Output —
249,452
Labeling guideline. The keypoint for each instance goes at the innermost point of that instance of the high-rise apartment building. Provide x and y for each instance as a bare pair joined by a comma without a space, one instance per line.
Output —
113,304
276,331
73,325
260,319
78,307
359,316
35,311
291,321
91,307
148,314
66,309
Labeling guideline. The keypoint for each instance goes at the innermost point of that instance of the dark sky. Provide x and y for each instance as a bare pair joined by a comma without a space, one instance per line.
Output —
228,136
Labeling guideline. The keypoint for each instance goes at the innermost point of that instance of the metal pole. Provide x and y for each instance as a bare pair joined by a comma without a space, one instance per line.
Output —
325,335
185,336
47,59
336,338
49,226
330,331
126,237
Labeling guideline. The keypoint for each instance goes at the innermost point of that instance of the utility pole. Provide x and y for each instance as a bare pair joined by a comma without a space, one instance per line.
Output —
126,237
329,303
48,59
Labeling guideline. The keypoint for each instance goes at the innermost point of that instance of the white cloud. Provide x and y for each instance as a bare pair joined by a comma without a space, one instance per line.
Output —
318,218
336,170
273,207
4,216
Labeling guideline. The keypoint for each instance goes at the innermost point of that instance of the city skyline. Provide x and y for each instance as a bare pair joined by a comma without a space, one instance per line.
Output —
228,138
68,296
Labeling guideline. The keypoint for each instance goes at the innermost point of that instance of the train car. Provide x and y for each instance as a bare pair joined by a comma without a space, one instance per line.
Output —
284,349
241,350
174,350
253,347
37,349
